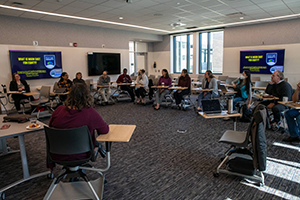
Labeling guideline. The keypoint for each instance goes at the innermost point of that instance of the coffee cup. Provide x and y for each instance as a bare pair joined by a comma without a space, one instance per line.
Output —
285,99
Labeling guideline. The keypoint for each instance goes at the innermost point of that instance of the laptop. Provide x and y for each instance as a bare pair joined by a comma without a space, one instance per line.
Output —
211,106
60,90
224,89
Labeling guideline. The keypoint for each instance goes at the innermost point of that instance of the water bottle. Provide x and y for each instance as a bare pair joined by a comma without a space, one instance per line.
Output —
230,105
4,89
163,84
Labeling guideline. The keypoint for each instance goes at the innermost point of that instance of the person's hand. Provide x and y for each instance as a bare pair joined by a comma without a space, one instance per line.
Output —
298,86
161,90
179,91
233,85
248,106
271,105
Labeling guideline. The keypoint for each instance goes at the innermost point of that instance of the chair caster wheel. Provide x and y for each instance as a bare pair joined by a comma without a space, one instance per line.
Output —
50,176
216,174
2,196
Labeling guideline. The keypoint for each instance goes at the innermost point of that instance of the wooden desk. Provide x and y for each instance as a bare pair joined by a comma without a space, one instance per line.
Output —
117,133
19,130
23,93
197,83
160,87
265,98
123,83
103,86
55,93
222,115
290,104
259,88
200,89
178,88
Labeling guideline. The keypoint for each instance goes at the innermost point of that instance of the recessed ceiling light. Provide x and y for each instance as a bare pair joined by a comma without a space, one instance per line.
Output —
173,28
120,17
178,3
141,40
241,17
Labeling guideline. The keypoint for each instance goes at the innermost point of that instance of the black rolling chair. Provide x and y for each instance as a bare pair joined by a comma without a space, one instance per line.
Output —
70,142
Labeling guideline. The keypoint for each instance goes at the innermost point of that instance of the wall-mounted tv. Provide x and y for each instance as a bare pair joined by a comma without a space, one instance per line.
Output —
262,61
36,64
99,62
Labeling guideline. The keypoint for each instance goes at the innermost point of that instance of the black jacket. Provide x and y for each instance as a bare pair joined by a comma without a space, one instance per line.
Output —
13,86
282,89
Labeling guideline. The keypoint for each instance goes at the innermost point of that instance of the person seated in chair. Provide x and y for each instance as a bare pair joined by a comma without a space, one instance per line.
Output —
209,82
293,119
77,111
125,78
104,81
243,87
78,78
278,88
183,81
142,86
64,82
19,85
164,80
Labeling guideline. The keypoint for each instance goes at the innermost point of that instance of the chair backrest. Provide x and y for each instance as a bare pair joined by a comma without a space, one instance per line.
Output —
88,83
200,78
255,78
69,142
229,80
222,78
45,92
261,83
55,86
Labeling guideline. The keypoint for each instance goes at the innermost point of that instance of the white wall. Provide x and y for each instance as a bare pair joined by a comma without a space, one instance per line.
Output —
231,61
162,59
74,59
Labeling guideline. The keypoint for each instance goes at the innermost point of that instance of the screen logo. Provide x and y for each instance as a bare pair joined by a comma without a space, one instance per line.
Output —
49,61
56,73
271,59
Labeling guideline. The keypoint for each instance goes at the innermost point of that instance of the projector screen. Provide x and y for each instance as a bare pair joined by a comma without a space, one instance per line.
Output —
36,64
262,61
99,62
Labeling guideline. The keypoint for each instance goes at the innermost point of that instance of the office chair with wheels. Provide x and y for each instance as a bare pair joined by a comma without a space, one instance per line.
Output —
247,155
69,142
44,99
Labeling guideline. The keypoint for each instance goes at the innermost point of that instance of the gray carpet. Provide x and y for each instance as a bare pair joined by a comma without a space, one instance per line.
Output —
159,163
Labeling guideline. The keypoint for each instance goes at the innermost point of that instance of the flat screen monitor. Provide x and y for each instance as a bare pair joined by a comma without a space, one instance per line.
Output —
99,62
36,64
262,61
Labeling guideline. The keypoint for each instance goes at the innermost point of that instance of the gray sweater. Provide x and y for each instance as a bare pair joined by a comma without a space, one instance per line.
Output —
212,85
103,81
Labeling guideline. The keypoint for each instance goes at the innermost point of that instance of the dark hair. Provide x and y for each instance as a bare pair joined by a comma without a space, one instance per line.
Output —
248,81
167,73
61,76
79,97
124,69
280,74
186,75
142,70
210,74
13,76
77,74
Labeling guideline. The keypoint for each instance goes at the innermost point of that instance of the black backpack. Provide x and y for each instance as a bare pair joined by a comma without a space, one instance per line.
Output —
246,114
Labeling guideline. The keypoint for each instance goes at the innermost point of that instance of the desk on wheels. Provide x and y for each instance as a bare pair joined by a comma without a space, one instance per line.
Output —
19,130
222,115
290,104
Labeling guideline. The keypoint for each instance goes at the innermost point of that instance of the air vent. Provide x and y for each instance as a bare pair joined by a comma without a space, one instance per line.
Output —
177,24
235,15
192,27
17,4
157,14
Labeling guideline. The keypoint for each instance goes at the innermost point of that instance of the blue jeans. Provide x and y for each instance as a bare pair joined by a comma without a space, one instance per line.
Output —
237,99
292,125
207,96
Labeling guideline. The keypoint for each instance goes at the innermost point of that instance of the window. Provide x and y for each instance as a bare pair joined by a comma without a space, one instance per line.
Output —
183,53
211,52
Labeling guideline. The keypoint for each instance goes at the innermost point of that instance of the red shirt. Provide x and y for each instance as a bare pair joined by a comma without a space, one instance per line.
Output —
65,119
185,83
124,79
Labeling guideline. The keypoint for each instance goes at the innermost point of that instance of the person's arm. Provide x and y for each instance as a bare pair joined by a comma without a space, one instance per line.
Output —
214,85
13,86
159,81
249,96
101,125
296,94
108,80
286,91
120,79
26,86
129,79
101,80
170,82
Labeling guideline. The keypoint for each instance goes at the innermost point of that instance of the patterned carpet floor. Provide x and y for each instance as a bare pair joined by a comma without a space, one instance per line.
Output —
160,163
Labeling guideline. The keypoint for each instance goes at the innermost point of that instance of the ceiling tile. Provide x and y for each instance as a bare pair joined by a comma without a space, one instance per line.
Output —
69,10
51,18
4,11
82,5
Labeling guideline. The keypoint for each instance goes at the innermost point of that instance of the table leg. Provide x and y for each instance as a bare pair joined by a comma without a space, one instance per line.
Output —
234,123
23,157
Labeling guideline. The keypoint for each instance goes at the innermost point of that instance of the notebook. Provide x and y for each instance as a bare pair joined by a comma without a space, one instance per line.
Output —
60,90
211,106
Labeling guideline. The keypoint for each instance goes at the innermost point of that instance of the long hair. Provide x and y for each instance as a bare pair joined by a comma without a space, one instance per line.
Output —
186,75
13,76
248,80
210,74
61,76
167,73
77,74
79,97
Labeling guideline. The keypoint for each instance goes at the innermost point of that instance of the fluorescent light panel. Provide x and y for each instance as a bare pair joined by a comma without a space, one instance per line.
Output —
152,29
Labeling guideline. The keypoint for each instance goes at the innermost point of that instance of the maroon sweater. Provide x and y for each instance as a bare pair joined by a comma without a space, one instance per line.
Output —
185,83
124,79
65,119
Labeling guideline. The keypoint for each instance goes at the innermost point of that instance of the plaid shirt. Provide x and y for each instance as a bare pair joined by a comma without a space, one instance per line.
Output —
67,85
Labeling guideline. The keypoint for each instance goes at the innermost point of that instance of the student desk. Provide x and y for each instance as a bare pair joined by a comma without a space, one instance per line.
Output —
259,88
290,104
178,88
160,87
265,98
19,130
222,115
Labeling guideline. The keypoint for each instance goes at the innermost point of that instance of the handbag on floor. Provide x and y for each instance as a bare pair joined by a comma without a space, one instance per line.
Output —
20,118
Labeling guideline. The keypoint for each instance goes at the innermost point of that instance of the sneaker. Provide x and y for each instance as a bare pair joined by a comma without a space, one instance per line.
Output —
291,139
275,126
